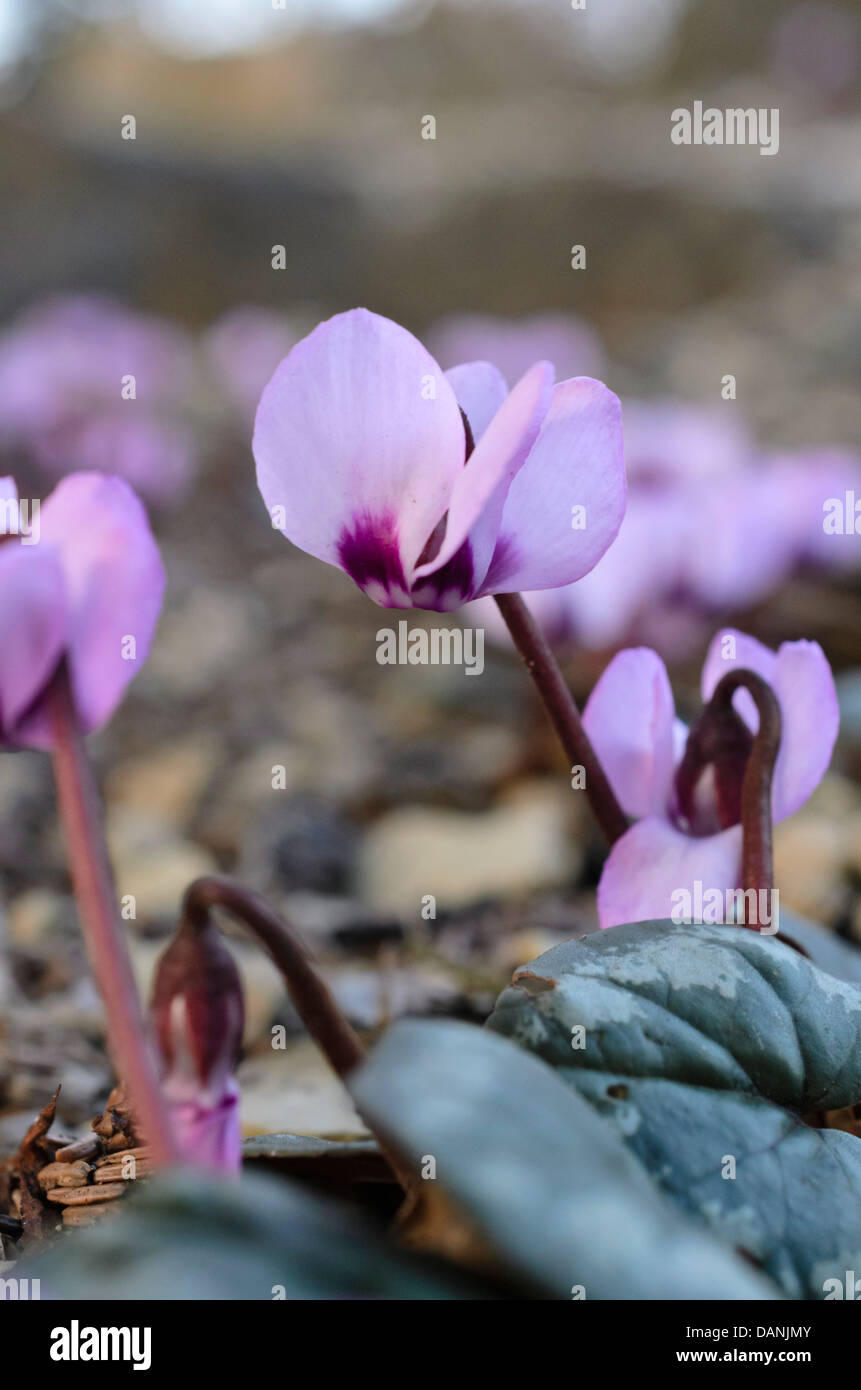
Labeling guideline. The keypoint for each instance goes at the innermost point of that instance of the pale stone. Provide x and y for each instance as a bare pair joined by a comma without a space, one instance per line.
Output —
166,783
521,845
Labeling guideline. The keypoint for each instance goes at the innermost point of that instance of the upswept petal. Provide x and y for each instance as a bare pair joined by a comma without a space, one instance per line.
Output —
479,493
480,389
653,865
359,441
113,579
801,678
576,462
630,717
32,630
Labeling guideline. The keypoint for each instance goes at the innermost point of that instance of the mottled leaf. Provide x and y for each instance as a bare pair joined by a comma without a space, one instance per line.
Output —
705,1046
825,948
543,1181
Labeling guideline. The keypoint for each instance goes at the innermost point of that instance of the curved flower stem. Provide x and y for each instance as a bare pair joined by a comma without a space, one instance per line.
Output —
311,996
95,891
559,702
757,857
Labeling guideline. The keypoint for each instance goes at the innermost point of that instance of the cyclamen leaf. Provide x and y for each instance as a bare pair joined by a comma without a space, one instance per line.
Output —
825,948
705,1044
544,1181
707,1005
189,1236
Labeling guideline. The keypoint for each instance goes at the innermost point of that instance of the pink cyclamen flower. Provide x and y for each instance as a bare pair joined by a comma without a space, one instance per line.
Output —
362,461
89,384
818,494
81,578
630,718
243,349
198,1013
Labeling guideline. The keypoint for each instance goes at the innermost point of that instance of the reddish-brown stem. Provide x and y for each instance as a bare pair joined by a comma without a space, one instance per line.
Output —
309,992
559,702
757,859
311,996
95,892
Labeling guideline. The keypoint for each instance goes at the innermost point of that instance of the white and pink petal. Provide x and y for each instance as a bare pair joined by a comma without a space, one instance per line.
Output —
656,872
565,506
359,441
630,720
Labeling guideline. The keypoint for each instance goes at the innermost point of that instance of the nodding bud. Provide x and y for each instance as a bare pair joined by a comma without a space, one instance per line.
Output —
198,1014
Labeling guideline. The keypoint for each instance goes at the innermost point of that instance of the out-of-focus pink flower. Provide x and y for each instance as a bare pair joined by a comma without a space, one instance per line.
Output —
818,494
671,442
87,384
710,529
512,345
361,457
243,348
81,578
197,1010
630,718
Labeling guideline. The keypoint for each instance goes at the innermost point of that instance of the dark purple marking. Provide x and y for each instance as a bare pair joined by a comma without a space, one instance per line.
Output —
369,552
456,574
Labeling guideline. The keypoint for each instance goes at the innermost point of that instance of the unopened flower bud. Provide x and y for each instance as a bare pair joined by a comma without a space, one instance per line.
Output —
197,1009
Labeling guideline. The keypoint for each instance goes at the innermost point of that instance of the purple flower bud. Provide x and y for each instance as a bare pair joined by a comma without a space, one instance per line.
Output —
198,1013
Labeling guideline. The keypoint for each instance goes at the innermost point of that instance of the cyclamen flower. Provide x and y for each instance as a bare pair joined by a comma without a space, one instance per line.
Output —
630,718
81,578
67,368
819,496
362,460
198,1013
243,349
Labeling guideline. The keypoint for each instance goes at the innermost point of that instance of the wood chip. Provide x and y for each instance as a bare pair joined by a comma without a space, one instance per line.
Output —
140,1170
140,1154
85,1196
88,1147
86,1216
64,1174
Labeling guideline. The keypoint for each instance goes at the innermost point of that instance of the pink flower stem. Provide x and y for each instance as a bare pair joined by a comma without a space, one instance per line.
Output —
757,856
559,703
95,892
